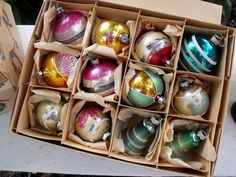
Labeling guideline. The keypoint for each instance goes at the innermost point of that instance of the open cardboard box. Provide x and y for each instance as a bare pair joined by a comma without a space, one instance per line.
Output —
11,57
183,13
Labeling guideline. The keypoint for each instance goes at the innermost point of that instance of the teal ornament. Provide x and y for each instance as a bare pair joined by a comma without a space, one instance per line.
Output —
146,88
183,142
199,53
136,138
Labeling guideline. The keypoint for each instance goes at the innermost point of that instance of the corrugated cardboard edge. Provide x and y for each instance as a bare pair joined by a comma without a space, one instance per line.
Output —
210,13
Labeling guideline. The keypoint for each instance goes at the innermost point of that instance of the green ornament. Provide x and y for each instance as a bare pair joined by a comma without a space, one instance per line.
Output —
185,141
200,53
136,138
146,88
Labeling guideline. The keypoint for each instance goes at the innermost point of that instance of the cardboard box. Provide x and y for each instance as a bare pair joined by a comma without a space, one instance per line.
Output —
160,14
11,57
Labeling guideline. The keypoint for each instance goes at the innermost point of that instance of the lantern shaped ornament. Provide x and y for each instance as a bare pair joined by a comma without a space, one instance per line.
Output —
69,26
136,138
183,142
98,76
111,34
92,124
191,99
200,53
49,115
56,68
146,88
154,48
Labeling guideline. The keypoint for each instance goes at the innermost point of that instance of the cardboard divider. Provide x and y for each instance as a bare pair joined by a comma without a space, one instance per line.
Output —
102,53
230,52
172,28
167,77
28,123
71,138
127,118
125,17
50,14
200,158
219,69
213,87
43,49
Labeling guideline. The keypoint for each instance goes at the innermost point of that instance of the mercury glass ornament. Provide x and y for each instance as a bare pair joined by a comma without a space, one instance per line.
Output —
146,88
92,124
98,76
111,34
200,53
136,138
191,99
48,114
55,68
183,142
69,26
154,48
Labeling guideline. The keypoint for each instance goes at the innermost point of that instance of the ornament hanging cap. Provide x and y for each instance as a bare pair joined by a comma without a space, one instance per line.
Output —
105,136
202,135
160,99
38,74
59,126
217,40
185,82
94,60
124,38
156,120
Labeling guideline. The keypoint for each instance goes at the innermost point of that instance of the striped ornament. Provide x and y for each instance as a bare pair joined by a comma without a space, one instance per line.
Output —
198,54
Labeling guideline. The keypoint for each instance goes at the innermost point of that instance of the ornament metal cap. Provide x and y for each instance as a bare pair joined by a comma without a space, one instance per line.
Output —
105,136
167,62
124,38
94,60
59,10
38,74
59,126
156,120
160,99
217,40
201,135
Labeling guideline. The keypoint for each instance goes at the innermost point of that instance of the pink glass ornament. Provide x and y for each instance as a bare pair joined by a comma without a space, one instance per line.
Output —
69,26
92,125
98,76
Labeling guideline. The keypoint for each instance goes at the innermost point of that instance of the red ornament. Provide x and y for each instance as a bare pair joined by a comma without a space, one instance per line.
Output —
154,48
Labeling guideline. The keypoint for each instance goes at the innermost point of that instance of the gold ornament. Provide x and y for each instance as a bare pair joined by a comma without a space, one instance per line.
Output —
111,34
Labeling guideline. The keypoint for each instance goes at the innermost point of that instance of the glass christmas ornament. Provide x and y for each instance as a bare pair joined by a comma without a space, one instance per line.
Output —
154,48
69,26
136,138
111,34
200,53
183,142
146,88
49,114
55,68
98,76
191,99
92,124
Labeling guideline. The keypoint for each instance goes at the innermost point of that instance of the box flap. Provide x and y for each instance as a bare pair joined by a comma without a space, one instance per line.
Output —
11,51
191,9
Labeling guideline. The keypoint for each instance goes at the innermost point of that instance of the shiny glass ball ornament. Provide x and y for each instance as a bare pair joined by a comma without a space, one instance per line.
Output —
154,48
200,53
111,34
98,76
69,26
55,68
92,125
146,88
191,99
49,114
136,138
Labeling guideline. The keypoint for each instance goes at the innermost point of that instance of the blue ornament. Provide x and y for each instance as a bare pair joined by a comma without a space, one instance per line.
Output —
199,53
